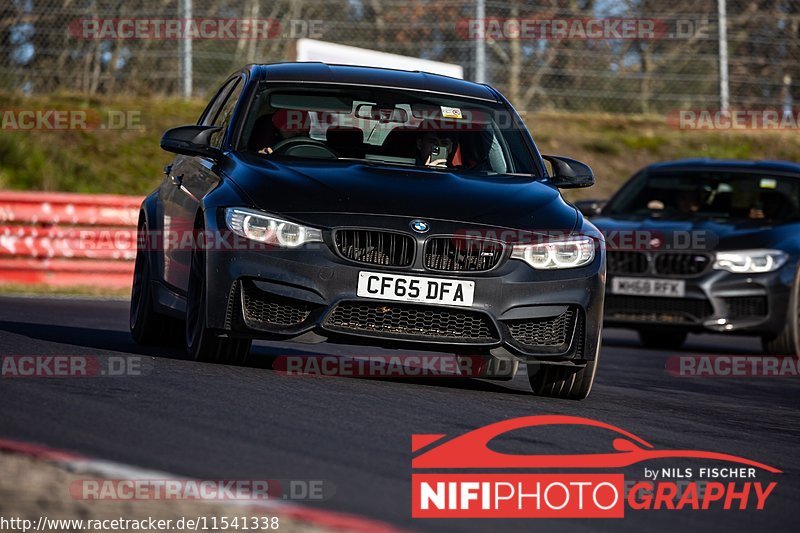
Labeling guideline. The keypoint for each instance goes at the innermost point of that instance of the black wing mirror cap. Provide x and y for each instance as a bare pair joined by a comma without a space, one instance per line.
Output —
191,140
569,173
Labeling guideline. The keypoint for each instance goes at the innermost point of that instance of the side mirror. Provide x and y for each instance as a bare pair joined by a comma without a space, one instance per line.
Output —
191,140
590,208
568,173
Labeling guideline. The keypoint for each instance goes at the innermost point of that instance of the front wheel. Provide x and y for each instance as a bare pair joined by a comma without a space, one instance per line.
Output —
146,324
787,342
562,381
202,343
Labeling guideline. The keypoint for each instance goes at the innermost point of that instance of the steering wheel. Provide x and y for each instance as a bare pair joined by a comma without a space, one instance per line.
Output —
287,146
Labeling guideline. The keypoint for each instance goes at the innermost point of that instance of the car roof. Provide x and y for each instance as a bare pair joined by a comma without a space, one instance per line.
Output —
725,165
316,72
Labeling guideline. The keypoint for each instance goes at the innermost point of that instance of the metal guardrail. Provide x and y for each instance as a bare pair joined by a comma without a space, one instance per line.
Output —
67,240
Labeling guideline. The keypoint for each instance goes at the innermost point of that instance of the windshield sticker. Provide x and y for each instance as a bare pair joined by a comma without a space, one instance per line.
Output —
768,183
451,112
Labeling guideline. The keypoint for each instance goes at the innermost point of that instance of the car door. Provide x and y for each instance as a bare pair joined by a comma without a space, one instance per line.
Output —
189,180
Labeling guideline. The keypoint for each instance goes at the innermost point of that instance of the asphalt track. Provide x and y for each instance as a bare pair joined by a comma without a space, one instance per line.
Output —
220,422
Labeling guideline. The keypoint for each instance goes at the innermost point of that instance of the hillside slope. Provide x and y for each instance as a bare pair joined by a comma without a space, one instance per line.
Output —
129,160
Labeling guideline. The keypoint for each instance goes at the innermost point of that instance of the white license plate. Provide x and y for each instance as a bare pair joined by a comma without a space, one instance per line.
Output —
415,289
670,288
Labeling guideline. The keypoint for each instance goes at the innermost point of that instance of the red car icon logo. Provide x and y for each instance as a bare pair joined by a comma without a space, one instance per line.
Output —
471,450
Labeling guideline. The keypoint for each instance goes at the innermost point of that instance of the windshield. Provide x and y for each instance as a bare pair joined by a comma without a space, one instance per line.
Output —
726,195
386,126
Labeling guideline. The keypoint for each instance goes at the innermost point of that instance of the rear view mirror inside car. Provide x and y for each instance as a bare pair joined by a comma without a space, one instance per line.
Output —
382,113
311,102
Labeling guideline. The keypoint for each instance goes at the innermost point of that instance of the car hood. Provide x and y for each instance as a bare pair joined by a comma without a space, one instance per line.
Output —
706,233
306,187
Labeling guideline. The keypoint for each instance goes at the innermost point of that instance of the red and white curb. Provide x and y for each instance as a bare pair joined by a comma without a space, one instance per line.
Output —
81,464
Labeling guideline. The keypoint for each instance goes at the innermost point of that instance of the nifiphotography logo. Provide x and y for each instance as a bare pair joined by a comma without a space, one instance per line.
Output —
587,485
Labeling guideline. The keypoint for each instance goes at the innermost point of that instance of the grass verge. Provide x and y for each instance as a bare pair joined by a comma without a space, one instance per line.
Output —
129,161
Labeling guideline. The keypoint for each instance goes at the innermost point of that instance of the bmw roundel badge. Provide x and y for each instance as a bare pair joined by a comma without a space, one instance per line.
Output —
420,226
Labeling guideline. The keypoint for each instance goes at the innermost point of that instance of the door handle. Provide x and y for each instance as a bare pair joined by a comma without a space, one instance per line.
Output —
176,180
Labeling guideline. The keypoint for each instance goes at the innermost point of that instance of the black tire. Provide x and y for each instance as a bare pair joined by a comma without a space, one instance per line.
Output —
787,342
202,343
662,339
146,324
561,381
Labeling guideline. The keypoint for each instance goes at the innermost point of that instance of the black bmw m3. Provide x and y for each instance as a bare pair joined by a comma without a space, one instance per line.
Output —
316,203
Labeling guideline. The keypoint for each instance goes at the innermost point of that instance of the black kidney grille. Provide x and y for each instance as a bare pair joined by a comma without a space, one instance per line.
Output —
411,321
626,262
547,331
681,264
375,247
462,254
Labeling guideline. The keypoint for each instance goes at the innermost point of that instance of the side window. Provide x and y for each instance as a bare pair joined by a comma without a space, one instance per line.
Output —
224,116
210,113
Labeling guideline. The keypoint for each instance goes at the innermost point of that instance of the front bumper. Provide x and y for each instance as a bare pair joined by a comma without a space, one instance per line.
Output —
717,301
309,294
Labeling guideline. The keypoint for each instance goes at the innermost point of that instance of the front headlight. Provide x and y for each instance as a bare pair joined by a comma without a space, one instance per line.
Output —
269,229
750,261
571,253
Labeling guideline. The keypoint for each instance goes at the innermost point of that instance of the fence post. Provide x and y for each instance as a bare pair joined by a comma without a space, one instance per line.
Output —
724,95
186,69
480,44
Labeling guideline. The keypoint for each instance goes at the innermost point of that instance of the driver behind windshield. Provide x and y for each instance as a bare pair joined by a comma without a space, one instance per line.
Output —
425,131
688,201
282,125
434,150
